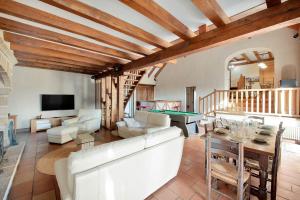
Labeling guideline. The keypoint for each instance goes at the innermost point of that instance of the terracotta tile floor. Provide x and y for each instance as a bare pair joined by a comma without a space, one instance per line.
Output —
188,185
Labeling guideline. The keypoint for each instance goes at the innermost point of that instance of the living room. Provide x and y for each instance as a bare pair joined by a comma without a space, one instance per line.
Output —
143,100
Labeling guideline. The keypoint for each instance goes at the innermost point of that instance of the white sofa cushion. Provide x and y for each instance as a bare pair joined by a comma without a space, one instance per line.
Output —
132,123
161,136
158,119
89,158
141,116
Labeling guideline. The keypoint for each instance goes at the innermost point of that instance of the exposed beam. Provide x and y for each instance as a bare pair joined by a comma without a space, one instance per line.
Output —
52,67
36,15
53,53
252,62
202,29
38,58
159,15
283,15
151,71
271,3
257,55
212,10
246,57
108,20
270,55
29,41
18,27
58,64
159,71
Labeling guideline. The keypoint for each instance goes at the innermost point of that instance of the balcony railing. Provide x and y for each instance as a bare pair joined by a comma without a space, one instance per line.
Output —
278,102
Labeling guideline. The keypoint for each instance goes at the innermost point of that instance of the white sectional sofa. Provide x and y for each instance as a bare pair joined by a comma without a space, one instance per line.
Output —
128,169
144,122
87,121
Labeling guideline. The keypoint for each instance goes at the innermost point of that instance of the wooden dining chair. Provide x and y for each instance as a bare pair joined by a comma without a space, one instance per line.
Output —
219,170
273,165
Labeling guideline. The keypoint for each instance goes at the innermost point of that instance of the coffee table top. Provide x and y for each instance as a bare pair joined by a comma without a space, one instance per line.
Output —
84,138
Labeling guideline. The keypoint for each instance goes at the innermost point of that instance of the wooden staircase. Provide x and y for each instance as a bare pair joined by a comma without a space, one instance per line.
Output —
131,80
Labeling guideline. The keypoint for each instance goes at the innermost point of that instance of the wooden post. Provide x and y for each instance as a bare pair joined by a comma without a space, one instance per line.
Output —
114,105
108,102
120,96
215,101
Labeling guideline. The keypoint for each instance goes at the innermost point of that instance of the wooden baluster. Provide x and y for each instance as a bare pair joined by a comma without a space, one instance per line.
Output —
236,100
252,101
247,101
242,101
276,101
257,101
298,102
219,100
211,103
264,102
282,102
290,100
270,101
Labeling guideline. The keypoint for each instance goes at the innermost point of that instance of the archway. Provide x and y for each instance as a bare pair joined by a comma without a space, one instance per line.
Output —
250,69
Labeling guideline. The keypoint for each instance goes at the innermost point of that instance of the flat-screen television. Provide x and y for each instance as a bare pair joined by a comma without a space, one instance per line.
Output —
57,102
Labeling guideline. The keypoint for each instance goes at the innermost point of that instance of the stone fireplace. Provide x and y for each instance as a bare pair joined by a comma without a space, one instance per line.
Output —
7,62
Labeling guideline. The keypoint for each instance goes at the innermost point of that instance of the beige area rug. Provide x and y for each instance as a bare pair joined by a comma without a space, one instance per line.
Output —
45,164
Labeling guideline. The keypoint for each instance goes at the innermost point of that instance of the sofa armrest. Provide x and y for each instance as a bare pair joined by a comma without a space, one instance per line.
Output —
68,122
91,125
120,124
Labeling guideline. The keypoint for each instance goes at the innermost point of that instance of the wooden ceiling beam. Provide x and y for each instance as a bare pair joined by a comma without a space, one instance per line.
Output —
252,62
162,17
271,3
20,59
270,55
54,67
36,15
213,11
98,16
202,29
283,15
18,27
29,41
159,71
245,56
38,58
257,56
53,53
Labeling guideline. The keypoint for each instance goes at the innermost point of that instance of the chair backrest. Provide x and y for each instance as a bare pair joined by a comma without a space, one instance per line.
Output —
209,127
228,149
276,161
260,120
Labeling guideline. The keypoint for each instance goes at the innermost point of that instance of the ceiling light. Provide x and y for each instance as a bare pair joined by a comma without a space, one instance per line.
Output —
230,67
262,65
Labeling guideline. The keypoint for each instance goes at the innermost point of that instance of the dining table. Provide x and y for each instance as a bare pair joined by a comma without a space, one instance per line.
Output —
260,152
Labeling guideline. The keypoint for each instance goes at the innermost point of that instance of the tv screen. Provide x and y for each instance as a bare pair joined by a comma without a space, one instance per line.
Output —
57,102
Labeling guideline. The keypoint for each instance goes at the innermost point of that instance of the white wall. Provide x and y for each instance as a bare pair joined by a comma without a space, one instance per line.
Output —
206,69
29,83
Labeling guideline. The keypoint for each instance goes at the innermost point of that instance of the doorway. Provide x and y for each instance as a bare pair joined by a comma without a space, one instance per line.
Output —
190,99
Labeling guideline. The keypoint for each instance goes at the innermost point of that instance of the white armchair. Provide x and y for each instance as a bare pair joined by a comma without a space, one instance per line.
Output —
88,120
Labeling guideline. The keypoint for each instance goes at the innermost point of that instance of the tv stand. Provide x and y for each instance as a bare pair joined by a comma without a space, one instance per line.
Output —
46,123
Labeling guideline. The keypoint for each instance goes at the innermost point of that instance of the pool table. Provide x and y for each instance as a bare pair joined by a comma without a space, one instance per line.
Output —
187,121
